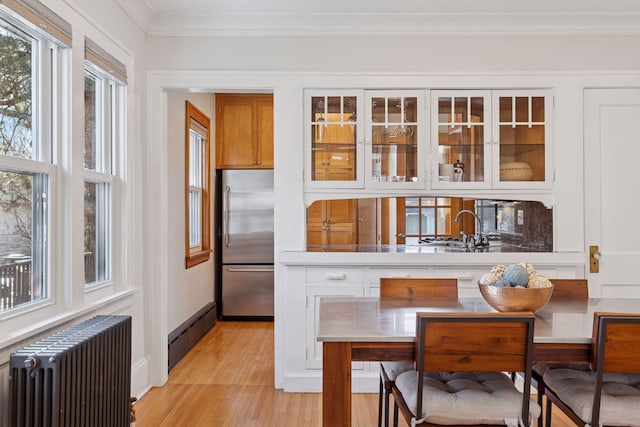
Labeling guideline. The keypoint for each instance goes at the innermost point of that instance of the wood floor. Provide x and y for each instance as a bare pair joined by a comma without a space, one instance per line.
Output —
227,379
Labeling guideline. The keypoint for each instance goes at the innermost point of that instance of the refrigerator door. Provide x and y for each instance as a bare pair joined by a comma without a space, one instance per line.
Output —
247,290
247,216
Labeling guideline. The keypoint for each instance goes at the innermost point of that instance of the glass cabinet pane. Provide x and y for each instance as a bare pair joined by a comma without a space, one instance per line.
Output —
522,138
461,129
333,138
394,134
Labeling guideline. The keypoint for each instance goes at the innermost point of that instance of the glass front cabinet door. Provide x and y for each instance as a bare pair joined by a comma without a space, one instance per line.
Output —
522,139
394,145
491,139
461,139
335,139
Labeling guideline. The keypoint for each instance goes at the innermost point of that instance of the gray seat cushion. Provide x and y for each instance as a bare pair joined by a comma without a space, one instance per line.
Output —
541,368
465,398
620,403
393,369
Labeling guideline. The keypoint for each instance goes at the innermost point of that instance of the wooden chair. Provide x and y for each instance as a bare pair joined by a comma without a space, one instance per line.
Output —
609,394
409,289
563,289
459,377
576,289
419,288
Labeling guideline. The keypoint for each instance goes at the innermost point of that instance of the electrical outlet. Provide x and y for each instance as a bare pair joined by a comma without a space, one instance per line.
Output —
520,217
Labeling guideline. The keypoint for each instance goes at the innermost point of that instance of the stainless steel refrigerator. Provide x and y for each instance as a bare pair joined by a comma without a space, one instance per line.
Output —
246,244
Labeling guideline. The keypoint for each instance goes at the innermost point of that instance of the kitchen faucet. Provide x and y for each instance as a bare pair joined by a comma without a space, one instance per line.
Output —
478,239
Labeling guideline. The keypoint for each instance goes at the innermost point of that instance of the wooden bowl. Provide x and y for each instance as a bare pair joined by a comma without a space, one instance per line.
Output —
504,298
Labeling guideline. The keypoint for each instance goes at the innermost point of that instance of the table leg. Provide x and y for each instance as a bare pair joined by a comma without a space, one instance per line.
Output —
336,384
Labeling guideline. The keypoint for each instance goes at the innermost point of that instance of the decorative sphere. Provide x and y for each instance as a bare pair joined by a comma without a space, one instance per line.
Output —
516,274
502,282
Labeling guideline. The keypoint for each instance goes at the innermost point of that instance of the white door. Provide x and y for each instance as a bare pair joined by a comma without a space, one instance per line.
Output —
612,189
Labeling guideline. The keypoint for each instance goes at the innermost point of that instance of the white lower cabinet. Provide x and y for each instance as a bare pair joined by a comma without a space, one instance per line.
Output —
313,295
375,274
307,284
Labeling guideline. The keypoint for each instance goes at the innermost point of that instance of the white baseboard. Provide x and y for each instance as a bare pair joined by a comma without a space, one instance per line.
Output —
140,383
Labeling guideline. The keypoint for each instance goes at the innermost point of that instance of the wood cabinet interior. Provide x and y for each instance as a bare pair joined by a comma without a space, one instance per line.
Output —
244,131
332,222
334,150
522,133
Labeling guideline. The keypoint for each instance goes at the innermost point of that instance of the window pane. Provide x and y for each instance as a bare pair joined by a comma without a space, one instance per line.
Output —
23,238
196,146
16,131
410,201
90,121
96,232
428,222
195,209
411,221
444,221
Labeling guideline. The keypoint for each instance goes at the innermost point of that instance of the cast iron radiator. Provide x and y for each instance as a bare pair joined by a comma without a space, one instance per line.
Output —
78,377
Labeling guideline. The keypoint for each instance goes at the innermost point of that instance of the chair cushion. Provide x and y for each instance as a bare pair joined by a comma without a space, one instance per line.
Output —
393,369
541,368
464,398
620,403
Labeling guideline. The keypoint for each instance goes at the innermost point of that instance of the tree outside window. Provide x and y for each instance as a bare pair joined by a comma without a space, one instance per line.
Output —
24,175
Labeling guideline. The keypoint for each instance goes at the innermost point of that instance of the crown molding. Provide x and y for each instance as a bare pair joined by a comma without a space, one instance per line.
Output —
421,24
141,12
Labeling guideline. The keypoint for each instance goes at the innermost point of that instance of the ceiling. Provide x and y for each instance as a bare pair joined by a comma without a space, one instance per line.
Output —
371,17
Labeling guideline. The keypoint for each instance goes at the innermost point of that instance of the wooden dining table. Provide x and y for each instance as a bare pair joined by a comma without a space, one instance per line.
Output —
375,329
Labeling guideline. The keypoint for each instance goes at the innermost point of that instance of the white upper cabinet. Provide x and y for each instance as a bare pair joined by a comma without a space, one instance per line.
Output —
386,139
522,139
357,139
334,138
491,139
461,139
395,146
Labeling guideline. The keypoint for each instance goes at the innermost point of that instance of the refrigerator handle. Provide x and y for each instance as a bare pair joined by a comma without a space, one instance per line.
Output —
250,270
225,210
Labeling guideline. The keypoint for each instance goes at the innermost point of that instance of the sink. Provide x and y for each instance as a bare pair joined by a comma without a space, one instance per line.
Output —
453,242
443,241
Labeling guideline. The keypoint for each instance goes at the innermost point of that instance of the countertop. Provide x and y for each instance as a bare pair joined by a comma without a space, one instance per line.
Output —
423,249
422,256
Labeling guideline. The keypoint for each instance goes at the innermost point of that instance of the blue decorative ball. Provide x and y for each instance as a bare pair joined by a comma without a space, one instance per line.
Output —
516,274
502,282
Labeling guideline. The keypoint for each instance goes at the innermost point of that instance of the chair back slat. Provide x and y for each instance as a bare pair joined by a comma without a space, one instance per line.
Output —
574,289
473,345
443,288
617,342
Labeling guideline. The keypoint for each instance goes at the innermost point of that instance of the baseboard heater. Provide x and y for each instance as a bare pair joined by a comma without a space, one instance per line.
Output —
185,336
80,376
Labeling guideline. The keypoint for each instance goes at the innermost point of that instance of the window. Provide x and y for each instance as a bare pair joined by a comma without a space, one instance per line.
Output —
30,78
103,95
426,217
197,159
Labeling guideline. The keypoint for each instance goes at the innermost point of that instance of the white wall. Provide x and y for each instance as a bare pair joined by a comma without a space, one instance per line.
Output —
189,289
395,54
107,25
